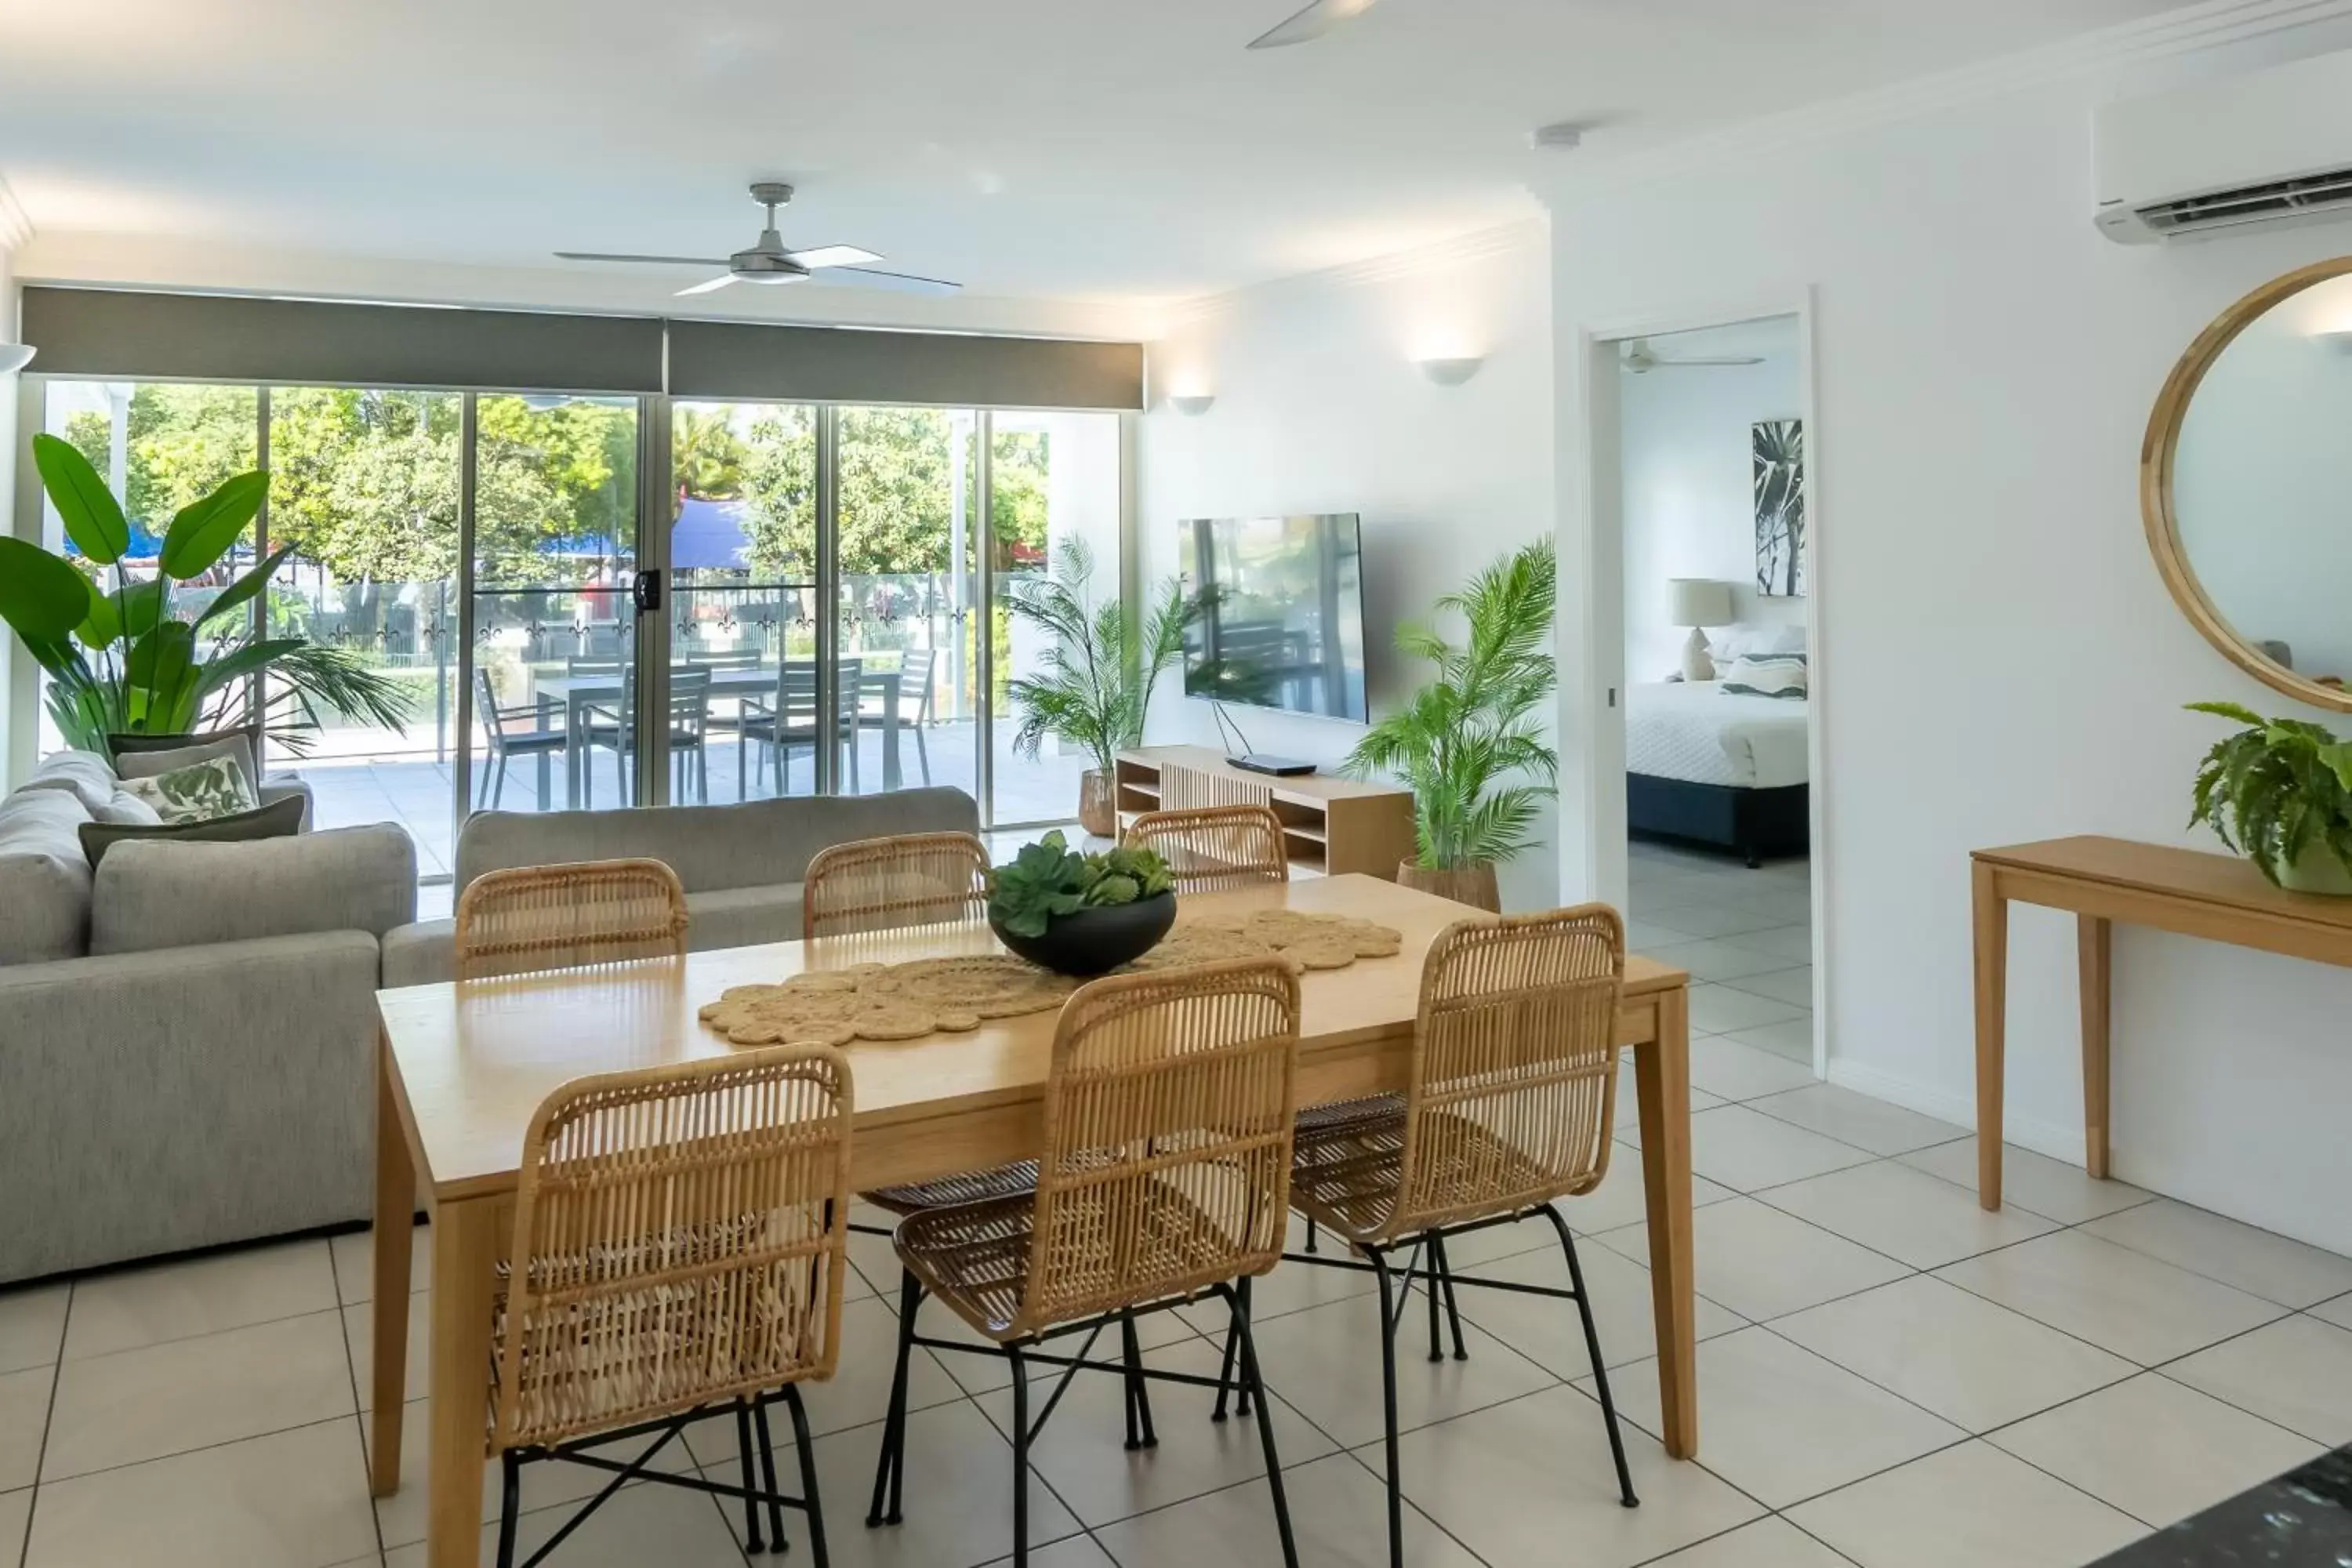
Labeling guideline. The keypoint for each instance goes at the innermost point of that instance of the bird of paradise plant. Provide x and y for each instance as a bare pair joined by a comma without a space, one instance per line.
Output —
120,659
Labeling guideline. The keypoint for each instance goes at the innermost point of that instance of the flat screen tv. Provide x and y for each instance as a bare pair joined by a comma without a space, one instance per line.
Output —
1284,623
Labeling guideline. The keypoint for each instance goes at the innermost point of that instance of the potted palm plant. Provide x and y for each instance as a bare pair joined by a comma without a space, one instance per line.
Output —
120,658
1094,685
1470,744
2278,792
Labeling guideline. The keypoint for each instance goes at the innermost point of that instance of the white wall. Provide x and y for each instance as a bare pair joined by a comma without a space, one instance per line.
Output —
2261,480
2001,661
1688,495
1318,409
11,661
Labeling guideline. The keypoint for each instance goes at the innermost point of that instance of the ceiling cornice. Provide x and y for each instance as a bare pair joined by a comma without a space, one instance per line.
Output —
2211,25
16,228
1419,262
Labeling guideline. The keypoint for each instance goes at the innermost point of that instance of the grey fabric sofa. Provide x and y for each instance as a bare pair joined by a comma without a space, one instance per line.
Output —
741,865
185,1037
188,1037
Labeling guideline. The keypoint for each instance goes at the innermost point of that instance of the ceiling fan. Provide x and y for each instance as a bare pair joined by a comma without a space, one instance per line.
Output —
769,261
1316,19
1641,359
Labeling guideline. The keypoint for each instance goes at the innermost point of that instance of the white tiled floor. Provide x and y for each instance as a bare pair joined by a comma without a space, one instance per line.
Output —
1889,1377
1745,935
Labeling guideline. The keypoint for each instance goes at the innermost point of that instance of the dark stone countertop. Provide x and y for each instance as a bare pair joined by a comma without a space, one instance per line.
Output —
2302,1520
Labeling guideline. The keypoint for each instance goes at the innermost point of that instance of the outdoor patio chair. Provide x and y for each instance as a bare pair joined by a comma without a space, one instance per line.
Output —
689,723
518,731
917,667
791,724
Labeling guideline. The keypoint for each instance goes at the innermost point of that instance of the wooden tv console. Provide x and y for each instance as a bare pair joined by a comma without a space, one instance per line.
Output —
1330,824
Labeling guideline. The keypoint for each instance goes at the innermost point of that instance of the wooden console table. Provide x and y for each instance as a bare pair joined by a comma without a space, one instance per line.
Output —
2217,897
1329,823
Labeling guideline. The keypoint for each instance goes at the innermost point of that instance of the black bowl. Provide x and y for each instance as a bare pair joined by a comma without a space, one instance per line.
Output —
1095,940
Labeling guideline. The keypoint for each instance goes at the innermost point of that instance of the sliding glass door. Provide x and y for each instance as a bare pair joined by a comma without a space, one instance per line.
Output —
834,613
906,557
1054,497
551,659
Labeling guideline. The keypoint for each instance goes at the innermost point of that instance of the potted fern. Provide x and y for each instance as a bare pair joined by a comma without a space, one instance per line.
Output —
2278,792
1093,686
1470,742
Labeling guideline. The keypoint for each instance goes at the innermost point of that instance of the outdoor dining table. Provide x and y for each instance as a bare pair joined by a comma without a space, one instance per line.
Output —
581,695
463,1066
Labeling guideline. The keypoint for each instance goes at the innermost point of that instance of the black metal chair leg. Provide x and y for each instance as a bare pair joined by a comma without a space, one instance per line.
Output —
1139,1434
509,1505
1452,1310
1242,1296
1020,1455
1250,1380
746,1454
1389,1314
1428,1272
884,1509
1592,1348
1225,1371
818,1557
776,1541
1311,1233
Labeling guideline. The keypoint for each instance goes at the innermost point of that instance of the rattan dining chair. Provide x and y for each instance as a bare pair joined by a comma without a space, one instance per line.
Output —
1168,1116
531,918
1215,848
878,885
1508,1105
677,1252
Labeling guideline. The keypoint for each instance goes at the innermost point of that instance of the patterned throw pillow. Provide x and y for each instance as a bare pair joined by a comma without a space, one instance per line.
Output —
1767,674
198,792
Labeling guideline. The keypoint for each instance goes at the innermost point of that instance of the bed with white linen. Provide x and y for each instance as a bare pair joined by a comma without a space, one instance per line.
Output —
1719,767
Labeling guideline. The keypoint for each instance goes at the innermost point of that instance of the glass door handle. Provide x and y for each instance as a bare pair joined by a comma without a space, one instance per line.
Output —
646,592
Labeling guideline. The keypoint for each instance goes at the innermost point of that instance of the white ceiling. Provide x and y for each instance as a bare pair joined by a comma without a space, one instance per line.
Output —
1126,151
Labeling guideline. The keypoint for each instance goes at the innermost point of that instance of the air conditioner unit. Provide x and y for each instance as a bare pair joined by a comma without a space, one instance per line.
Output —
2241,152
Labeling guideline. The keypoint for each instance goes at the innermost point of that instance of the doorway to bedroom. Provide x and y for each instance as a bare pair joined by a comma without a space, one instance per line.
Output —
1717,658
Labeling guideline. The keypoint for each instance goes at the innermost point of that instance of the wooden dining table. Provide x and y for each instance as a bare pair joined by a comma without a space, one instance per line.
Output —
463,1066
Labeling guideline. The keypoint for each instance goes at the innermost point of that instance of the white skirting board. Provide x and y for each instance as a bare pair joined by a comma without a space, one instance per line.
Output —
2060,1142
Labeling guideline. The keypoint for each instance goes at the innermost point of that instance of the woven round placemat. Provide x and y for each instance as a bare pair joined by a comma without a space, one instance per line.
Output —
951,995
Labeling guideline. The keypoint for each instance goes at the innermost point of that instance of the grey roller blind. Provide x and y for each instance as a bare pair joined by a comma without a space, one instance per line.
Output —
828,365
192,337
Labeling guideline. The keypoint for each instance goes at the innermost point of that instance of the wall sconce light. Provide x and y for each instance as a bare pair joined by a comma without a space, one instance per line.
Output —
1450,372
15,357
1191,405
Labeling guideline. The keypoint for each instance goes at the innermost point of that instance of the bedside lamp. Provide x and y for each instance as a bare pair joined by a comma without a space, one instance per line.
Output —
1695,602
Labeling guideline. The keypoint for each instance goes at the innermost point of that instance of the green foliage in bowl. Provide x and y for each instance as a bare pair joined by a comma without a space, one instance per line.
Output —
1049,880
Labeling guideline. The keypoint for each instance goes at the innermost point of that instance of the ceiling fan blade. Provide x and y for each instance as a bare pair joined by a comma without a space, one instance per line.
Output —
655,261
720,281
833,256
1728,360
1316,20
901,282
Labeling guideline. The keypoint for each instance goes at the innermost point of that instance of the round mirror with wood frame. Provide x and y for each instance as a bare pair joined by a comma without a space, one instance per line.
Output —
2272,662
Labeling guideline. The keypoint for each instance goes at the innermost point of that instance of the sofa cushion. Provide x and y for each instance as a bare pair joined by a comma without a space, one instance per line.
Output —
279,819
200,791
743,917
231,749
761,843
45,879
424,954
159,893
85,774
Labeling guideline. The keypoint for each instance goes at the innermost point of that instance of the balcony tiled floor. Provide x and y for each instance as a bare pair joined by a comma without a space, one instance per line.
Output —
1881,1384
